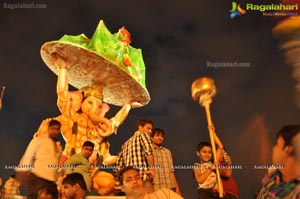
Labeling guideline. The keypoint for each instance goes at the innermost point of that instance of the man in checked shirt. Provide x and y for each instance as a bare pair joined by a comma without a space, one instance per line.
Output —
165,173
137,152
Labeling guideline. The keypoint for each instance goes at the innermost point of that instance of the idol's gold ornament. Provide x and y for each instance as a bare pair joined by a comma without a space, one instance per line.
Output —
203,90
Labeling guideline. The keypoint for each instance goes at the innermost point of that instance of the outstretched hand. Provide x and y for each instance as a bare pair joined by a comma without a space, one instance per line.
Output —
135,105
43,128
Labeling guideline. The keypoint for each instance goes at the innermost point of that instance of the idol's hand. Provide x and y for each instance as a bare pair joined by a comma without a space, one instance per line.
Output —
135,105
59,61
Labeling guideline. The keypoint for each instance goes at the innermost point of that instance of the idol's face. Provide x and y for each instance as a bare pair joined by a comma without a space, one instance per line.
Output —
91,106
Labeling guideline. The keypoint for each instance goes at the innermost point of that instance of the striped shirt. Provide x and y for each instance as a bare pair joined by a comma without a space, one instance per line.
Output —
11,187
274,188
134,153
163,168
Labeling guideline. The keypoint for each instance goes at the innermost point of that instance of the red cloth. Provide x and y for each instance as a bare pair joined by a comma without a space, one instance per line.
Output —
230,186
63,158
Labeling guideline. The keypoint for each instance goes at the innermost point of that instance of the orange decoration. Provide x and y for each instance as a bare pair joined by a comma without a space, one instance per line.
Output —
126,60
125,36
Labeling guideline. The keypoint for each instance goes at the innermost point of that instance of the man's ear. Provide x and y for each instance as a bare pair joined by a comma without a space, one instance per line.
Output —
76,186
289,150
139,127
197,152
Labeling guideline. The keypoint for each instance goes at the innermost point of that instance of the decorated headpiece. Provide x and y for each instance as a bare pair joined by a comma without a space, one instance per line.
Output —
92,91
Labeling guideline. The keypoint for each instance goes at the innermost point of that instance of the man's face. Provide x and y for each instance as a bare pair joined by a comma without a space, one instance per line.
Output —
280,153
147,128
87,151
158,139
69,191
132,183
53,131
44,195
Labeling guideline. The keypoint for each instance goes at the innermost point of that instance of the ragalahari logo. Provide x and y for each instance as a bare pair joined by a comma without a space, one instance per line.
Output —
236,10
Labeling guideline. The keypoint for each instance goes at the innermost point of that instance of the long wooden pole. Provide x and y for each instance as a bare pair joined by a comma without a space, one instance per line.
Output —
211,130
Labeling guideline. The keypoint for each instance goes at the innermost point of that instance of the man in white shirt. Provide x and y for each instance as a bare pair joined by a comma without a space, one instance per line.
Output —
133,187
41,159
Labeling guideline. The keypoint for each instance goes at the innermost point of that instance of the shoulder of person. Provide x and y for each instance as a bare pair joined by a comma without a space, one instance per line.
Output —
170,193
167,150
38,140
75,155
140,134
164,148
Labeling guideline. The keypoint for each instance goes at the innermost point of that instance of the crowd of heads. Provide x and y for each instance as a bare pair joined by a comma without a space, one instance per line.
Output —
74,184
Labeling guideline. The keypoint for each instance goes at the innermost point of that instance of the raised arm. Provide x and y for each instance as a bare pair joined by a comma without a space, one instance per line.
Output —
62,81
223,158
66,101
119,118
217,142
62,90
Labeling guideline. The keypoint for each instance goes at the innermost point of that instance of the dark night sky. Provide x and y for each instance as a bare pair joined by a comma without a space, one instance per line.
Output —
178,38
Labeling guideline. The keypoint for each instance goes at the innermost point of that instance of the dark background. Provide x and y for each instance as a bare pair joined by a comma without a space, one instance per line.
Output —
178,38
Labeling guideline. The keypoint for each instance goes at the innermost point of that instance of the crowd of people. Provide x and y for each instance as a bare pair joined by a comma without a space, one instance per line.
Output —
145,168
